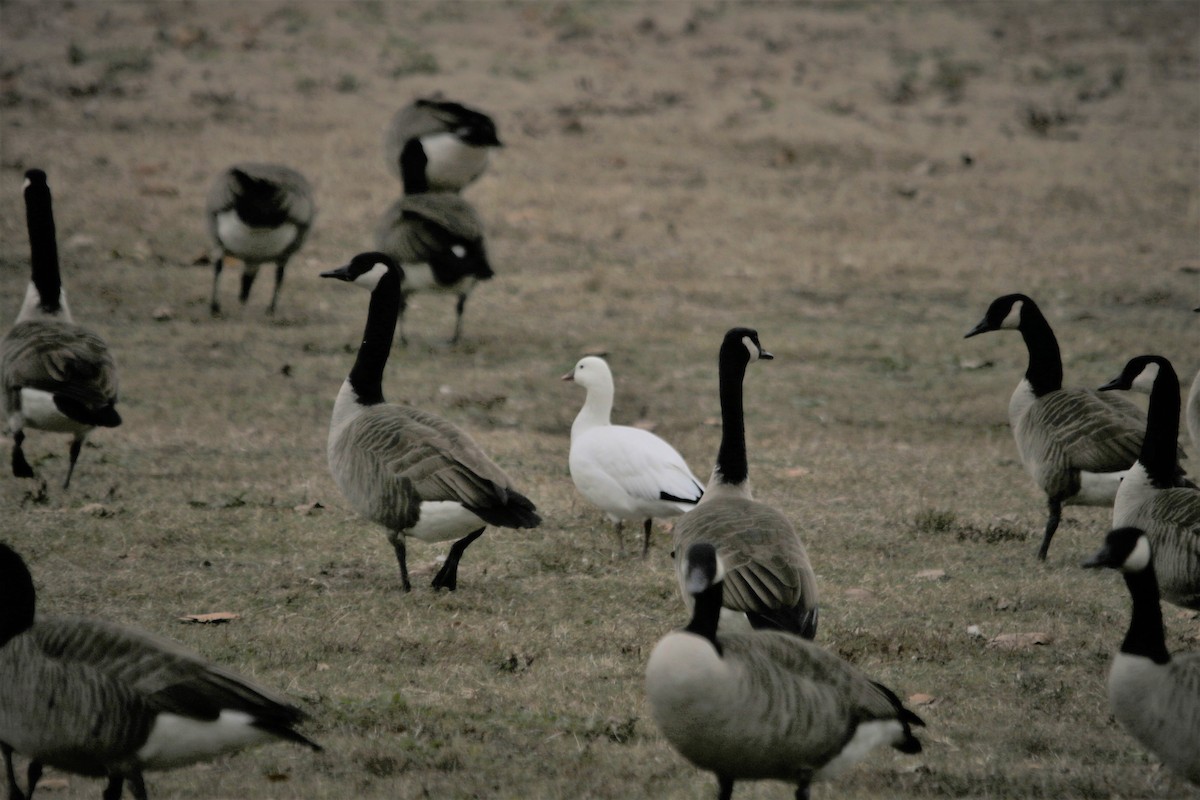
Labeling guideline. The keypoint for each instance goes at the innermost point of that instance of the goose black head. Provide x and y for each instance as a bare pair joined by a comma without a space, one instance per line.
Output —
366,270
1125,549
1139,374
704,568
1004,313
745,338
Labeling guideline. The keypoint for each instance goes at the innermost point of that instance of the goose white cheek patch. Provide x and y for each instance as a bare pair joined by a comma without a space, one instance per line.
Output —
750,348
1013,319
1145,379
370,279
1139,558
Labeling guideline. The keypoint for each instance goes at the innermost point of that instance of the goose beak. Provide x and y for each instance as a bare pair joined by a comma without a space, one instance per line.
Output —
1115,383
763,354
982,327
342,273
570,376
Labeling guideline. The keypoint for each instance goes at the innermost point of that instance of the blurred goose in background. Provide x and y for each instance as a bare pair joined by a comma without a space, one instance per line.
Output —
1150,497
56,375
99,699
408,470
258,213
1193,411
763,705
1153,694
769,581
630,473
438,145
1075,443
438,239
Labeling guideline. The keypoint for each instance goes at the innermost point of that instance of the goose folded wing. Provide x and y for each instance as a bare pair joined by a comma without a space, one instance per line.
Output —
643,465
1089,430
60,358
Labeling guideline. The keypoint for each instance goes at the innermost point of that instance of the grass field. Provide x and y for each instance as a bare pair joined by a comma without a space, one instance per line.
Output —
855,180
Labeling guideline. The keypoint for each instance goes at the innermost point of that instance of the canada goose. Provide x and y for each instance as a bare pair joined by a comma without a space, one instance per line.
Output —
437,145
628,472
764,705
770,583
1153,694
438,239
257,213
411,471
1076,443
55,375
100,699
1149,497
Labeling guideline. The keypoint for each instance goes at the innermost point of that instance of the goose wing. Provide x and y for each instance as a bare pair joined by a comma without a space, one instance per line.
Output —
291,194
767,571
57,357
439,229
442,462
640,463
1088,430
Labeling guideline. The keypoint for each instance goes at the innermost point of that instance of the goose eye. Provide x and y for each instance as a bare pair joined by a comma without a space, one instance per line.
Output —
458,250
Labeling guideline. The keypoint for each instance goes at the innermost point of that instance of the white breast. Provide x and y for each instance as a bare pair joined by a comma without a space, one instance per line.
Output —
175,741
419,278
1134,490
451,162
253,244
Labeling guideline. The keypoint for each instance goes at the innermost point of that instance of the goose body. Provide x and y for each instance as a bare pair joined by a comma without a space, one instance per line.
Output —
1153,694
413,472
55,375
1193,413
629,473
438,238
763,705
1149,497
438,145
769,582
257,213
100,699
1075,443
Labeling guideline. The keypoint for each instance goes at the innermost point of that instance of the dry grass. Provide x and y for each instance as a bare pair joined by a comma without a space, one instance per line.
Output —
857,181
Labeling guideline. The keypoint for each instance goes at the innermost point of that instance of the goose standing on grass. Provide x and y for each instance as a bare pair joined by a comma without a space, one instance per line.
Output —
408,470
1076,443
438,145
438,239
764,705
100,699
55,375
1153,694
1150,497
630,473
258,213
769,581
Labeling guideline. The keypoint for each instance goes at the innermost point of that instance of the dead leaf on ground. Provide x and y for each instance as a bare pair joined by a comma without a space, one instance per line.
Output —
858,593
96,510
211,618
308,509
1019,641
53,784
162,314
921,699
931,574
796,472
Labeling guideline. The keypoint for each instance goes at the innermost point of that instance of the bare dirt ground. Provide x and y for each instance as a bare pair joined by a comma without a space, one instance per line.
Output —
856,180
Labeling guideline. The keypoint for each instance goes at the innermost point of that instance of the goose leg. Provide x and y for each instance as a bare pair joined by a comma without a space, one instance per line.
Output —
646,537
1051,527
398,546
76,446
214,305
724,787
458,318
14,791
279,267
20,466
32,775
137,785
447,576
802,792
249,273
620,532
112,790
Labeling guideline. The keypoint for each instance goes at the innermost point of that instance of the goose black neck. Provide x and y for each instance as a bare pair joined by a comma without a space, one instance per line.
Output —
1145,636
706,614
731,457
366,376
1045,371
413,166
17,595
1158,454
43,246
